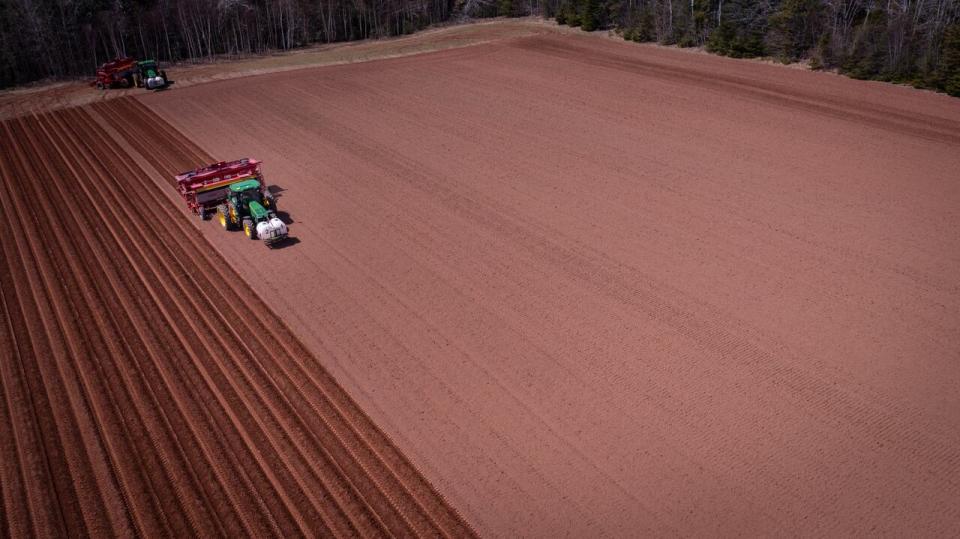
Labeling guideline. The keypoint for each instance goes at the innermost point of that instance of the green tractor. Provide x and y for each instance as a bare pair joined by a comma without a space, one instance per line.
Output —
150,76
252,209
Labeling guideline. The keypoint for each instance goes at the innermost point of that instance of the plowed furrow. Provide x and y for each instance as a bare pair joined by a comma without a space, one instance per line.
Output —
102,505
268,417
157,144
388,471
238,513
342,451
130,382
138,262
188,295
165,133
18,514
401,494
250,370
151,392
27,479
94,362
181,413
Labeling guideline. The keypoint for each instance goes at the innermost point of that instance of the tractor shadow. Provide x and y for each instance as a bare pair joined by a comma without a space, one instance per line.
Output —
289,242
285,217
275,190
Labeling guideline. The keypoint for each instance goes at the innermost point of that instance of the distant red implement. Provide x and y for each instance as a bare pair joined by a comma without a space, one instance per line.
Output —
207,187
118,72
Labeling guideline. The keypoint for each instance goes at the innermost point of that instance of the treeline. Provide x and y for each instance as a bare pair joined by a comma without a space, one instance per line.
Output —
908,41
62,38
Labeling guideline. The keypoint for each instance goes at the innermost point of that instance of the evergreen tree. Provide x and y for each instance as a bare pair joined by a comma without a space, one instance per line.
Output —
950,60
793,29
591,15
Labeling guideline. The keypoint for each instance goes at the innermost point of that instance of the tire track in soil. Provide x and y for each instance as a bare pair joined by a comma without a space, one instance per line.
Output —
233,393
101,505
184,413
22,496
114,430
288,433
421,490
134,329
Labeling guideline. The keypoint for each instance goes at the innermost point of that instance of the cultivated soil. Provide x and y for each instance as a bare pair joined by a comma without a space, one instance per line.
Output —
591,288
145,389
568,285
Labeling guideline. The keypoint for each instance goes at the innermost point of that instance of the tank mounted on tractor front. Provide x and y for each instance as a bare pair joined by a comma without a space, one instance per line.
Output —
235,191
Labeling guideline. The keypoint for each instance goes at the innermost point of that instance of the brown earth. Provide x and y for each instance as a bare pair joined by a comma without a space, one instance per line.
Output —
145,389
588,287
593,288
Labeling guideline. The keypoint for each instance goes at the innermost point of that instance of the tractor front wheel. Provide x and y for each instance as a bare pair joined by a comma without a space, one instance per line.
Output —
249,229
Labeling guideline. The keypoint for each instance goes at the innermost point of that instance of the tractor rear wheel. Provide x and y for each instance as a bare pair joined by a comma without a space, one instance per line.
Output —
223,215
249,229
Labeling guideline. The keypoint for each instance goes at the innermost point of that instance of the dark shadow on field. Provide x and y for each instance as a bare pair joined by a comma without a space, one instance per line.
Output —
275,190
285,217
289,242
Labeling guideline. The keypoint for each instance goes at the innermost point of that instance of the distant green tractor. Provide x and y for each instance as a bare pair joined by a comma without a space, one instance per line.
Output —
150,76
251,208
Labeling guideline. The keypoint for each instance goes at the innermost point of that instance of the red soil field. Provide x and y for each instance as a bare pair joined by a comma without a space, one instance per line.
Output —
596,288
145,389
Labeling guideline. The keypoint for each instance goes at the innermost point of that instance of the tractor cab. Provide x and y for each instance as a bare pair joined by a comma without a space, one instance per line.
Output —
245,193
151,76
